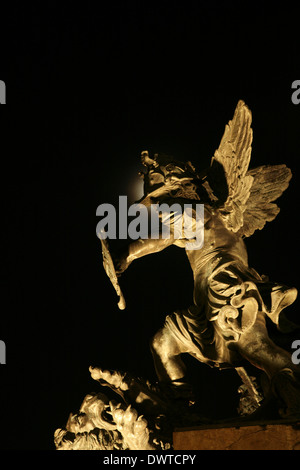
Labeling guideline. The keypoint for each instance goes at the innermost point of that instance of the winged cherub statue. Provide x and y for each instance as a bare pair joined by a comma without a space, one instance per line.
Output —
226,324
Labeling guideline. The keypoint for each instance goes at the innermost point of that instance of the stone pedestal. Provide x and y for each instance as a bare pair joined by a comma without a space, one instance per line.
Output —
256,436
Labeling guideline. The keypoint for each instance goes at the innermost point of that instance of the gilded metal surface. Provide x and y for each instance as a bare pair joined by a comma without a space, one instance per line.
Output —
111,273
226,324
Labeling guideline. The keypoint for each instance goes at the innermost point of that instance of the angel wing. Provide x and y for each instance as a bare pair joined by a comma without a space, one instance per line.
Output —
269,182
244,198
233,156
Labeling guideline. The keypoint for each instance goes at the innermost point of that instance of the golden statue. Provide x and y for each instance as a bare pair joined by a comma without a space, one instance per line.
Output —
226,325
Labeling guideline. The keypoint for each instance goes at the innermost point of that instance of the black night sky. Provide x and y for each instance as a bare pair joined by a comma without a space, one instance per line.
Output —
89,86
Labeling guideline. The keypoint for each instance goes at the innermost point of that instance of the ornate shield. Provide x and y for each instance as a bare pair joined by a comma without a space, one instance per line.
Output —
108,265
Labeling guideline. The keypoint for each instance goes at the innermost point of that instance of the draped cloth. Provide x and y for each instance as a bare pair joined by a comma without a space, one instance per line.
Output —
233,298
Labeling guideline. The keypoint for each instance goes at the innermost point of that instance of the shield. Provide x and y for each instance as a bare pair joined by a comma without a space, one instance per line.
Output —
108,265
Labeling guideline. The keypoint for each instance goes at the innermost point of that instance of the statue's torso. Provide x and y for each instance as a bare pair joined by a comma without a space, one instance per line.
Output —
220,245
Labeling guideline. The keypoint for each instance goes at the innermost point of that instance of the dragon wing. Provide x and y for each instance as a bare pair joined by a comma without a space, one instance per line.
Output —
243,198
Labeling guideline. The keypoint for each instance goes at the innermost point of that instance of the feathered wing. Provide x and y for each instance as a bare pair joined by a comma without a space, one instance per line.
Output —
269,182
233,157
244,199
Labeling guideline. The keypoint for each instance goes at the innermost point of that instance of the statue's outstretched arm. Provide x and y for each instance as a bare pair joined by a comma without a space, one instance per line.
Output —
139,248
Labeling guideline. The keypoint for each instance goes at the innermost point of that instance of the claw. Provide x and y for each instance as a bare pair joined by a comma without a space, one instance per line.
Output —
130,415
140,425
118,415
114,405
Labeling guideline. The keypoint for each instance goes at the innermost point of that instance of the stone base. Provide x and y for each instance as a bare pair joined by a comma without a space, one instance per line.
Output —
256,436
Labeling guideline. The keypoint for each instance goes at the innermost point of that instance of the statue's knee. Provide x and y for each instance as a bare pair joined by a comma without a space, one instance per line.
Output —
164,344
156,342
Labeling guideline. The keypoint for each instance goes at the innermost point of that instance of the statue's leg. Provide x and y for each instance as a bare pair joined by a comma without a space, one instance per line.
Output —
170,369
256,346
166,351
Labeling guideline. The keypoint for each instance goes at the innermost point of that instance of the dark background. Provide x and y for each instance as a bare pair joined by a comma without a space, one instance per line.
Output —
89,86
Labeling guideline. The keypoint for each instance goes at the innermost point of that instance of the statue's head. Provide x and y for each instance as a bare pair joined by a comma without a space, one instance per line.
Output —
162,170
